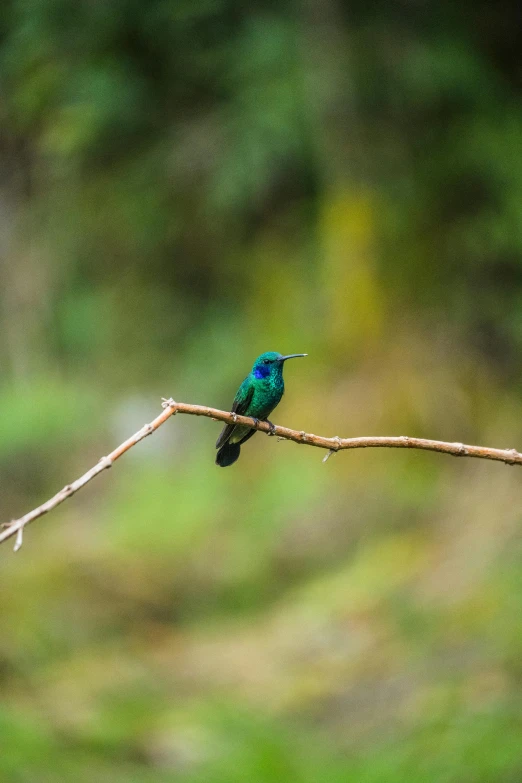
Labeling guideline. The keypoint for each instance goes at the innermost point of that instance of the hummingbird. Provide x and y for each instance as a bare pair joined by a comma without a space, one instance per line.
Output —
257,397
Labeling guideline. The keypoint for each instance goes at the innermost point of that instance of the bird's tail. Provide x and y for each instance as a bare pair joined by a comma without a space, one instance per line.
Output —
228,454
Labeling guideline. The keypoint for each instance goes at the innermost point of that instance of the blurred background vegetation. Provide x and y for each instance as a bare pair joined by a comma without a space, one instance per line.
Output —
187,183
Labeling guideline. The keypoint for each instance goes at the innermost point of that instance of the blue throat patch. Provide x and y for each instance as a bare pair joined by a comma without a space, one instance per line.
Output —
262,371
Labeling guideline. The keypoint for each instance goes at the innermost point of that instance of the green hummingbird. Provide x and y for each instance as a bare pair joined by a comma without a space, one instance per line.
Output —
257,397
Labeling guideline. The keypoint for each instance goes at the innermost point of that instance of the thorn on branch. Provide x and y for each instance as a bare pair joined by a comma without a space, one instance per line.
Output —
461,450
334,450
515,454
19,539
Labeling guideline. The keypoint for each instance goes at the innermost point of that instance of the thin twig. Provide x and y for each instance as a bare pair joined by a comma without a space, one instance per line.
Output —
16,526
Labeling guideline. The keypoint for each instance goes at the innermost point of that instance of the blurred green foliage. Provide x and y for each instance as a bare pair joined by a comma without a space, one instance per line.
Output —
187,183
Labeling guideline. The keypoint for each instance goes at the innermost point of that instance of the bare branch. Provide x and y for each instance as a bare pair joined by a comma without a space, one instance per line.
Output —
170,407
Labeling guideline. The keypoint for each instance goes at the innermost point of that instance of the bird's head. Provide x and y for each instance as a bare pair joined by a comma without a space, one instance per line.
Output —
271,362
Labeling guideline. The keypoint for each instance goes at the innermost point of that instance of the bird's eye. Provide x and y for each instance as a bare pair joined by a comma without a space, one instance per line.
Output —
266,361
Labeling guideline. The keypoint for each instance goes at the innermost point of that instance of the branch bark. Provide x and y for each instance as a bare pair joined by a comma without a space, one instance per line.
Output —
333,445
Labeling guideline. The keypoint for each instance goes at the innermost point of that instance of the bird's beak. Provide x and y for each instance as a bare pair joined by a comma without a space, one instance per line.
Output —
292,356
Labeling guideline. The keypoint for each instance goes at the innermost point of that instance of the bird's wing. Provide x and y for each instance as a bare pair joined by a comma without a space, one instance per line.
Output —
240,405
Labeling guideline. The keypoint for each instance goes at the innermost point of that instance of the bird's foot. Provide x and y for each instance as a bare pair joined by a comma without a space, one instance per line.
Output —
271,428
256,421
